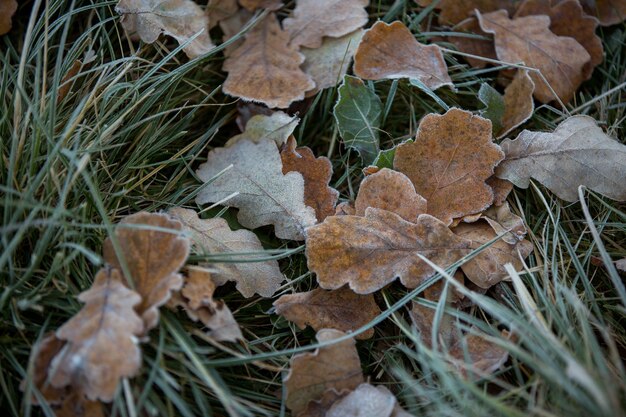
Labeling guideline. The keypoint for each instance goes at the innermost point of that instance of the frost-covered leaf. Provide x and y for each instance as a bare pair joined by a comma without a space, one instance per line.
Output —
366,401
503,221
480,45
277,127
454,11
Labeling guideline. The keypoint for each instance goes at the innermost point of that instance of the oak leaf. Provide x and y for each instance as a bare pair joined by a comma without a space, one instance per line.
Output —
252,5
454,11
218,10
529,40
247,111
41,357
344,209
215,236
76,405
180,19
370,252
311,21
7,9
316,172
153,257
501,189
231,26
481,47
503,221
608,12
257,187
340,309
448,163
391,51
367,401
336,366
278,126
577,153
265,68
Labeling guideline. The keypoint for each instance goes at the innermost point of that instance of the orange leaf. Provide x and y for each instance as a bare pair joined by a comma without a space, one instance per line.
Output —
518,102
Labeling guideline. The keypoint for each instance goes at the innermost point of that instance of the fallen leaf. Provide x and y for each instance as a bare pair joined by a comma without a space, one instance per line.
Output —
311,21
7,10
435,291
608,12
392,191
358,114
265,68
621,264
231,26
257,187
529,40
180,19
577,153
76,405
448,163
370,252
215,237
316,172
277,127
218,10
247,111
101,339
345,209
503,221
501,189
41,357
336,366
567,18
153,257
340,309
391,51
252,5
319,407
365,401
474,45
454,11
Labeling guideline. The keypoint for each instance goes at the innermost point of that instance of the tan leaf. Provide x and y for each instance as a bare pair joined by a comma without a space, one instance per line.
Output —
101,339
277,127
218,10
344,209
609,12
252,5
529,40
319,407
518,102
423,319
365,401
501,189
180,19
454,11
153,257
391,51
231,26
311,21
7,9
247,111
215,237
340,309
479,47
265,69
448,163
336,366
42,355
502,220
370,252
577,153
316,172
435,291
487,268
567,18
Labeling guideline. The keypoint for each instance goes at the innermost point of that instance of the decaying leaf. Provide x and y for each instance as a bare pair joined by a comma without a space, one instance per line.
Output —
503,221
252,5
153,257
180,19
218,10
336,366
7,9
435,291
101,339
231,26
319,407
501,189
528,39
311,21
577,153
448,163
367,401
358,114
392,191
214,236
265,68
42,355
423,318
316,172
454,11
391,51
340,309
257,187
567,18
473,45
518,102
344,209
370,252
277,127
609,12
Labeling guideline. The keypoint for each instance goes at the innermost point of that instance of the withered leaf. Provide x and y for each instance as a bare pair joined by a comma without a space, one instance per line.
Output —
370,252
340,309
277,126
7,9
518,102
344,209
609,12
501,189
448,163
180,19
454,11
214,236
435,291
257,187
391,51
76,405
231,26
218,10
252,5
365,401
313,20
392,191
502,220
319,407
101,339
336,366
528,39
473,45
265,68
42,355
316,173
577,153
153,257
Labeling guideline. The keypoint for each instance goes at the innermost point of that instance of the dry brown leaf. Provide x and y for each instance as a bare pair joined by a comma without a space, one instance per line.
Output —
180,19
487,268
247,111
255,183
311,21
476,353
101,339
448,163
336,366
76,405
7,9
316,172
529,40
345,209
501,189
277,126
252,5
391,51
370,252
567,18
340,309
435,291
215,237
153,258
366,401
42,355
518,102
454,11
319,407
265,69
423,318
392,191
609,12
502,220
479,47
218,10
231,26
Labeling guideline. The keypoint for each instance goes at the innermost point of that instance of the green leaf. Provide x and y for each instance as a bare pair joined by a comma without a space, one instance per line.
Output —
385,158
358,113
494,106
